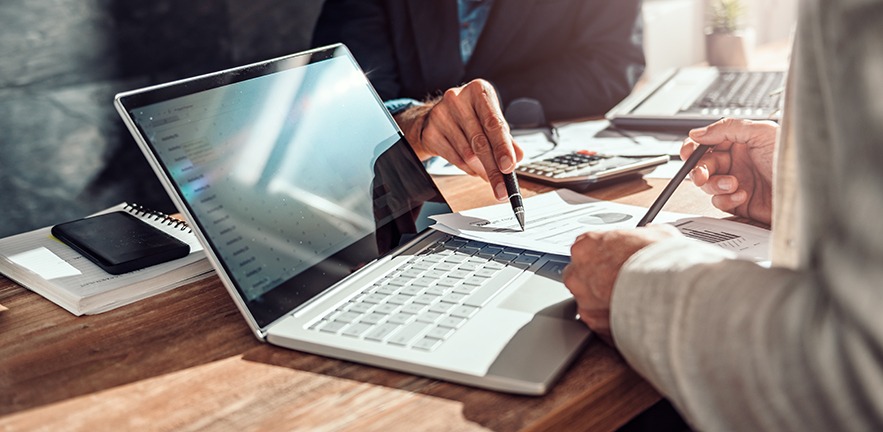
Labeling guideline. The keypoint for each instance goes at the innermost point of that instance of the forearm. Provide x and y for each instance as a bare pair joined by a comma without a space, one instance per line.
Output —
412,121
738,346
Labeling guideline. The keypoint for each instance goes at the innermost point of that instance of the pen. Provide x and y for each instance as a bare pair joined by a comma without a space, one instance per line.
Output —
673,184
515,197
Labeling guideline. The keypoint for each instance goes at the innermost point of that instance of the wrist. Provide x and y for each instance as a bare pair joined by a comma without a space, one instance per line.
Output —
412,122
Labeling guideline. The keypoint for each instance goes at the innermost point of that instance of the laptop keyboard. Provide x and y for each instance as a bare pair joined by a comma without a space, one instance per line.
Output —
421,304
745,93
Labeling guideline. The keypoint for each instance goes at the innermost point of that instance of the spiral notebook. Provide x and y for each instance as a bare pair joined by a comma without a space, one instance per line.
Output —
45,265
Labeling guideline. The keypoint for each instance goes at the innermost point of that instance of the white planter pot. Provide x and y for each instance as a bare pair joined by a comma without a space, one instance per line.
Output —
729,49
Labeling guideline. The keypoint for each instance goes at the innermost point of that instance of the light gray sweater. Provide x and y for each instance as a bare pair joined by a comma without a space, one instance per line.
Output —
798,346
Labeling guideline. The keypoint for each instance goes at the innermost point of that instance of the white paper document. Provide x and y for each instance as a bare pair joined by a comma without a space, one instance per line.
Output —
746,241
554,220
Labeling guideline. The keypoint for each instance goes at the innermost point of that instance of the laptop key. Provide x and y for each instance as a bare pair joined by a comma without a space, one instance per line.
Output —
427,344
380,332
399,299
451,321
425,299
358,307
347,317
413,308
463,311
486,292
453,297
373,318
440,333
429,317
408,333
400,318
356,329
386,308
332,326
441,307
486,272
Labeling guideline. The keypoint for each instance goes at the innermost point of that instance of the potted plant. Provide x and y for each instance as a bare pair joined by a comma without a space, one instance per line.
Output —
728,41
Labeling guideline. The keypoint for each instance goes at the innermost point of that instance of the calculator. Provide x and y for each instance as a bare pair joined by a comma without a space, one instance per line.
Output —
583,169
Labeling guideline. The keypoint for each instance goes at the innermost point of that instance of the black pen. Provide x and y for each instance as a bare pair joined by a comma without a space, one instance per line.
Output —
515,197
673,184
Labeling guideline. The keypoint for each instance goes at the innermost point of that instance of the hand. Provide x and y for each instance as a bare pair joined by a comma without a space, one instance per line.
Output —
738,171
596,258
466,127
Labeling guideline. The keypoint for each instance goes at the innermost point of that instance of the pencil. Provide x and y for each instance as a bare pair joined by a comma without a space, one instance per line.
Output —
673,184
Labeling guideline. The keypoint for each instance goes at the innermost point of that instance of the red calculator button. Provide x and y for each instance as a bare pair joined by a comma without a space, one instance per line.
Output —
586,152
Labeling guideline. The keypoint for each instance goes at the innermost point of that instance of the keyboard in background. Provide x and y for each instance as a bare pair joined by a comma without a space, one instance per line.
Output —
738,93
687,98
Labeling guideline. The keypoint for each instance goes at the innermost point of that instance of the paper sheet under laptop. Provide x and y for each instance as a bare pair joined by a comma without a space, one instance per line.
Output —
555,219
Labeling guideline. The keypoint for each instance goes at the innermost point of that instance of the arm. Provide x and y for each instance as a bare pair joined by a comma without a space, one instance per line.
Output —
466,127
739,347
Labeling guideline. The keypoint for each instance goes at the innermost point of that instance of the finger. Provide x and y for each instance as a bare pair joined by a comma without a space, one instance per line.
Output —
721,185
519,152
727,202
711,164
496,130
445,135
687,148
445,149
494,145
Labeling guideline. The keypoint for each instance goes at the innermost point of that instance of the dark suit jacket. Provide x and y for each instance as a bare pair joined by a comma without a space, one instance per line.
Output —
577,57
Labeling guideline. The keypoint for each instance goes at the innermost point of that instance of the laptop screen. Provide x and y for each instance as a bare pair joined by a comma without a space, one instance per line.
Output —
293,170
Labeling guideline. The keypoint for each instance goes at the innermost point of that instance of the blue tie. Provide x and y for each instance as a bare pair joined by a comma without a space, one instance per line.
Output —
473,15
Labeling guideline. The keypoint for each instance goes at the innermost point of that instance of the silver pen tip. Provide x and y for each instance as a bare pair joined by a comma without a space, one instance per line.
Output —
520,217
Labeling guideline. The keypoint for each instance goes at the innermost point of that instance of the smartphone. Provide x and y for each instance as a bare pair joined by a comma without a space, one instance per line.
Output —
119,242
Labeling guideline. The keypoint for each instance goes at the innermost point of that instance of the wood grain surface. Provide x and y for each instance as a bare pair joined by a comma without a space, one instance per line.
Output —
185,360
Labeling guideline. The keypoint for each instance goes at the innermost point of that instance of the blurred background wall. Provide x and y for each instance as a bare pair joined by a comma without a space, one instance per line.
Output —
64,152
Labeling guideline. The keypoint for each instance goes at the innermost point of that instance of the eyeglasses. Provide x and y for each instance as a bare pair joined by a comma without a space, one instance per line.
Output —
527,113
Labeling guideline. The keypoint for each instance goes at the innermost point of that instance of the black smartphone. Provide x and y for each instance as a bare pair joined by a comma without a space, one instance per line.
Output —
119,242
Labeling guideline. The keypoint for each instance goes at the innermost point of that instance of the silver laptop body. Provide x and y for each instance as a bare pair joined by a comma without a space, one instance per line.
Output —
686,98
314,211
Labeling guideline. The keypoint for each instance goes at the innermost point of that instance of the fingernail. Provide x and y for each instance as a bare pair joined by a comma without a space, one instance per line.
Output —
500,190
506,163
698,132
725,184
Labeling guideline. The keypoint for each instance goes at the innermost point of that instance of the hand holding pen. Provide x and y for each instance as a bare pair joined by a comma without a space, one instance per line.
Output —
738,173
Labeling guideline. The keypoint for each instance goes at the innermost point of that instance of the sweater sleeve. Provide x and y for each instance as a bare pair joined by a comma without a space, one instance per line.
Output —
736,346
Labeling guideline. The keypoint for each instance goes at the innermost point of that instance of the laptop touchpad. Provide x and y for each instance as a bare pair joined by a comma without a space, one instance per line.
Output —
543,294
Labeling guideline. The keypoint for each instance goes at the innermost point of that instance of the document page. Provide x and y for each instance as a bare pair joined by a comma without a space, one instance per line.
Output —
747,241
554,220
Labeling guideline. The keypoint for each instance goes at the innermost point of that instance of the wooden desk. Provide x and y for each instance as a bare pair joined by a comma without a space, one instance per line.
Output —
185,360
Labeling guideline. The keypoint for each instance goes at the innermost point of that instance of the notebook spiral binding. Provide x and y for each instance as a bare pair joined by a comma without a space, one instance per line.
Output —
139,210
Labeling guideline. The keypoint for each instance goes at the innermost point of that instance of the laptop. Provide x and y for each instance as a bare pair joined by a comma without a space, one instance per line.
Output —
686,98
314,211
